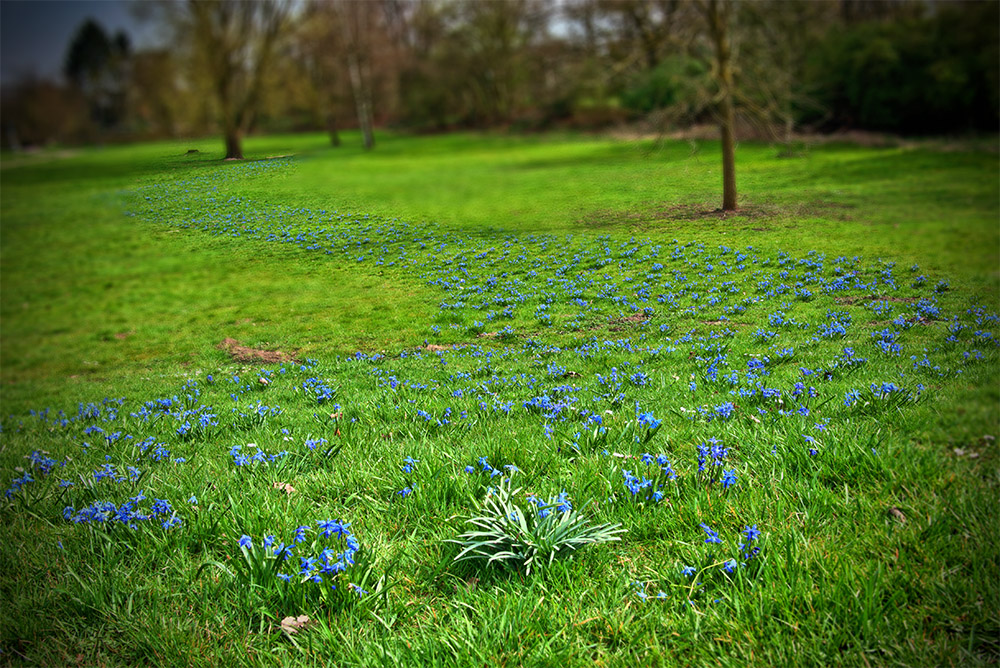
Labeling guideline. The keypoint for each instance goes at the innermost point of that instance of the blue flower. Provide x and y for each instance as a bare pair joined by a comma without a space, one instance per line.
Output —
330,527
246,542
647,420
713,537
306,565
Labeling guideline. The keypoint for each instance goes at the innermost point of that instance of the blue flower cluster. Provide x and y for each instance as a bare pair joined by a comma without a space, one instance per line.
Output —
716,342
39,463
560,503
240,458
129,514
649,488
331,552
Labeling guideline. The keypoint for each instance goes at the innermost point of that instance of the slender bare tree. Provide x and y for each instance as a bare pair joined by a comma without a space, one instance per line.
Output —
315,35
234,41
350,44
718,16
358,23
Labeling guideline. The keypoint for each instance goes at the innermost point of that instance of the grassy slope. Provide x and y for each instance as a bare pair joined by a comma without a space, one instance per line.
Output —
75,272
92,299
916,205
70,288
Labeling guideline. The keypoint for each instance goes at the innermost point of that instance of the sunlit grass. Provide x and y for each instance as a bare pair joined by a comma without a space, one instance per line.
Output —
797,445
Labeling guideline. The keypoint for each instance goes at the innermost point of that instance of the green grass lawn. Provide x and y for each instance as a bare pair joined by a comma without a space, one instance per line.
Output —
779,425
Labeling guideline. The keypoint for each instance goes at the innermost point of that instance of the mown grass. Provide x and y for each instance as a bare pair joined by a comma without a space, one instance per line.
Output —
585,308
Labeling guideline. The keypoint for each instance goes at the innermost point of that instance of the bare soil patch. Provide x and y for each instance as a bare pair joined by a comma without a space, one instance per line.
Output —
761,215
626,322
244,354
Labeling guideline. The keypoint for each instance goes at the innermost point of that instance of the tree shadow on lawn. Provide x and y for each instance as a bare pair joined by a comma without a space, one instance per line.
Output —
761,216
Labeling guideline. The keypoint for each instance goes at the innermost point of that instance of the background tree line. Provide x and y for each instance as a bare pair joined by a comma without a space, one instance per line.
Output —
905,66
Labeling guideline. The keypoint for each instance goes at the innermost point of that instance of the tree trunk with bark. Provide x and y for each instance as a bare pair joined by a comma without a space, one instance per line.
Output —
236,42
362,99
717,13
234,144
358,19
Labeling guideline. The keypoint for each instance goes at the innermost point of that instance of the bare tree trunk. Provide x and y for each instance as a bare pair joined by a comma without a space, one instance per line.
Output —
222,31
717,13
234,147
726,124
326,99
362,100
357,20
331,127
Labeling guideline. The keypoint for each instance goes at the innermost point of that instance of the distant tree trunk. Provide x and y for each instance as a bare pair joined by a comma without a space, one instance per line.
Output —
234,144
717,13
357,22
362,100
726,123
236,42
328,100
12,140
331,127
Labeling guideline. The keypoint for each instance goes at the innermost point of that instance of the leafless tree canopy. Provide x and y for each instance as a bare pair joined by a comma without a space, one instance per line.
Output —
774,66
